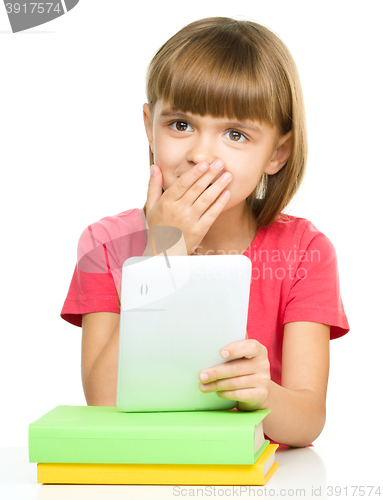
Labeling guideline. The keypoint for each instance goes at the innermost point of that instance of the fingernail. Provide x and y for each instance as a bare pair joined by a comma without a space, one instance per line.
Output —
219,164
225,354
152,170
204,376
204,387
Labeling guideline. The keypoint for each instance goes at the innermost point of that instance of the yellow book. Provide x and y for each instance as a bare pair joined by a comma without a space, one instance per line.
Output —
186,474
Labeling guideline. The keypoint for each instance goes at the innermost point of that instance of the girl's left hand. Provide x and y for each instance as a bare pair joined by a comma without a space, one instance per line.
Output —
245,380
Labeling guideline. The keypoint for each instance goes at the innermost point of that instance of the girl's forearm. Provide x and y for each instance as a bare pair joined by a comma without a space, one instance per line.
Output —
100,386
297,416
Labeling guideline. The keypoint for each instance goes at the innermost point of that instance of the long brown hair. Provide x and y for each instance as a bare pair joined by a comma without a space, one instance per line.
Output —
222,67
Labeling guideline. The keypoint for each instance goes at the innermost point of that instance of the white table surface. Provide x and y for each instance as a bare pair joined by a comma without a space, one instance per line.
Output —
318,472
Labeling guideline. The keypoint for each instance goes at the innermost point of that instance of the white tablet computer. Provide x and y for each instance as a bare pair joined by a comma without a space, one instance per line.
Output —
177,313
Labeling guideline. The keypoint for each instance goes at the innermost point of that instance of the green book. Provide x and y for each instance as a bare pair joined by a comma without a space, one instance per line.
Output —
105,435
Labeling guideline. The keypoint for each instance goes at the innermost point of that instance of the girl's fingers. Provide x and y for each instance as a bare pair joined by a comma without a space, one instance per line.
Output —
248,348
199,189
235,368
215,192
231,384
177,206
192,189
178,189
193,185
247,357
154,188
249,391
253,397
213,211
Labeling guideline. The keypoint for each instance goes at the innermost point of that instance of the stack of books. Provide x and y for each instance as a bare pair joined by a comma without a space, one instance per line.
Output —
102,445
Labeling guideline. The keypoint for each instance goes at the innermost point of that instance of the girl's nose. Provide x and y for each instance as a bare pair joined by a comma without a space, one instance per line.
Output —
201,152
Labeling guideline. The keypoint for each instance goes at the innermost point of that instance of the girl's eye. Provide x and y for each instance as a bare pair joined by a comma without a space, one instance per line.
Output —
235,136
181,126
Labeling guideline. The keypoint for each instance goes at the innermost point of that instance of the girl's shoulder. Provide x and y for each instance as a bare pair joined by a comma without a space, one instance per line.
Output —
291,231
120,225
291,223
120,234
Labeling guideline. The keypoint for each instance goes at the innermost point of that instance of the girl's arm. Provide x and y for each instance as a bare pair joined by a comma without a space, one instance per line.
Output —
99,357
298,406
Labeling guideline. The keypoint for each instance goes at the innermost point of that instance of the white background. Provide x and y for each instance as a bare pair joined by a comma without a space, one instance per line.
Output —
73,150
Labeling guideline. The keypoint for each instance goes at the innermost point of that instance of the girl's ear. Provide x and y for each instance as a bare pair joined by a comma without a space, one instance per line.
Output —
148,122
281,154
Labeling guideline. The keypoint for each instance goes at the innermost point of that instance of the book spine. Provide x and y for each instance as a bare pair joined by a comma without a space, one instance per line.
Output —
59,474
118,451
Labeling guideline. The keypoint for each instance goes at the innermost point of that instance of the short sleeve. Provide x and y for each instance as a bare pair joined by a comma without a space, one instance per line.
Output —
92,288
89,292
315,290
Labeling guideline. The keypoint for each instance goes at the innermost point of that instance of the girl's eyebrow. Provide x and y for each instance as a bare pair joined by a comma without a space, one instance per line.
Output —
169,113
247,126
178,114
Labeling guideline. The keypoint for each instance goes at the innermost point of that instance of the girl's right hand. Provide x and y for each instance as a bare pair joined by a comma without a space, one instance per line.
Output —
186,205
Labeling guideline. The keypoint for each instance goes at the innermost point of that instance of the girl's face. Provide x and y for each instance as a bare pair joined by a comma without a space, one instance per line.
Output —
248,149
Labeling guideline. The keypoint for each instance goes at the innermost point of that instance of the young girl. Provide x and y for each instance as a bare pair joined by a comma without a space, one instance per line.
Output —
226,128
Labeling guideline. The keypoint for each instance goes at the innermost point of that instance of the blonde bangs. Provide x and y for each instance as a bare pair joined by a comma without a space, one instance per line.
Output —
218,73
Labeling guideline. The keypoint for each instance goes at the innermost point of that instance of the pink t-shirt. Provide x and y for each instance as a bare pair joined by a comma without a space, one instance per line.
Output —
294,277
